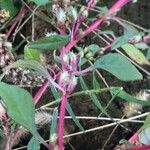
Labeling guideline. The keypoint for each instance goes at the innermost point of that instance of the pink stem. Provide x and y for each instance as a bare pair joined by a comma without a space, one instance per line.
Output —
118,5
40,92
134,137
7,144
15,21
61,121
90,4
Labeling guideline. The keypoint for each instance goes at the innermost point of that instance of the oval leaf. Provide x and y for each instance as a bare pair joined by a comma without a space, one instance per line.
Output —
19,104
20,107
119,66
119,42
144,136
49,43
135,54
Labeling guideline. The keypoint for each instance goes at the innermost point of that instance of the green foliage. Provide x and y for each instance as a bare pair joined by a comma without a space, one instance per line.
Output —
2,135
129,32
16,99
148,54
93,96
95,82
57,96
33,144
32,54
20,107
40,2
144,136
146,123
119,66
53,134
135,54
49,43
129,98
71,113
9,6
119,42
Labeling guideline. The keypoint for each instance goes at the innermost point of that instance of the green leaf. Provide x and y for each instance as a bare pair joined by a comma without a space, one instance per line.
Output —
55,92
95,82
135,54
32,54
148,54
12,130
2,135
130,31
119,42
33,144
71,113
93,96
129,98
40,2
146,123
93,47
49,43
20,107
141,45
104,10
69,109
119,66
16,100
144,136
9,6
126,143
53,134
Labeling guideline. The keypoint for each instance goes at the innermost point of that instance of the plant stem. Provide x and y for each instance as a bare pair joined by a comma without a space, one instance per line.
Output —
117,6
40,92
16,20
74,40
61,120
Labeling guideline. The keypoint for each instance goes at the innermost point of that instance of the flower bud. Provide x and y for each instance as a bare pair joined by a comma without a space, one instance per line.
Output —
72,14
135,39
84,12
74,59
72,84
61,16
64,79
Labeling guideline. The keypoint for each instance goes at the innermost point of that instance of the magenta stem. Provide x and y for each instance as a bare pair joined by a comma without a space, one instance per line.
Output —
16,20
61,121
90,4
134,137
7,144
40,92
118,5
